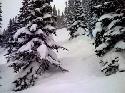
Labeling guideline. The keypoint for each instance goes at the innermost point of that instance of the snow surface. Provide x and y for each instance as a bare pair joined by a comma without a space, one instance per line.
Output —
33,27
49,27
2,57
120,45
84,74
47,16
42,50
98,28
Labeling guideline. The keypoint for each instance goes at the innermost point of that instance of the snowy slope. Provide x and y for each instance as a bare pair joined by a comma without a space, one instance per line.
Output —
7,76
2,57
61,35
84,74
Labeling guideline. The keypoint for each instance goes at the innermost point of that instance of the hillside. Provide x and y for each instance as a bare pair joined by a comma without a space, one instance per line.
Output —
84,74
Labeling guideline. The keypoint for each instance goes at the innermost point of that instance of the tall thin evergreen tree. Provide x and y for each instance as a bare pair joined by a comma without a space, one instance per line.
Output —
10,31
1,37
70,12
66,14
78,20
23,17
54,11
0,16
90,18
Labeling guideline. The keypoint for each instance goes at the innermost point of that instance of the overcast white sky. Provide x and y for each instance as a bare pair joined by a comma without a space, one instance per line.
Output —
11,8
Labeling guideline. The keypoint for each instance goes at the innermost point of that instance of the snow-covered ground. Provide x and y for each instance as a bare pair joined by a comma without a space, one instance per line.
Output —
2,57
84,74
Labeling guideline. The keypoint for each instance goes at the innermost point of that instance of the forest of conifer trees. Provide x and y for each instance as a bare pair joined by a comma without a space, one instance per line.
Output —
32,51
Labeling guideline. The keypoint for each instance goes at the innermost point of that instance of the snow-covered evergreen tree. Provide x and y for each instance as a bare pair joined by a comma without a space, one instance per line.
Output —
66,13
1,36
54,11
24,13
58,14
0,16
58,21
9,32
90,18
0,28
32,51
78,19
70,12
61,20
110,33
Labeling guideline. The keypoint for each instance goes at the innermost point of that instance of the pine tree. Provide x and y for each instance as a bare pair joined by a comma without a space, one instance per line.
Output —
58,23
0,16
63,21
9,32
78,20
66,13
90,18
32,53
110,33
23,17
1,37
0,24
58,13
60,20
54,11
70,12
6,34
55,14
